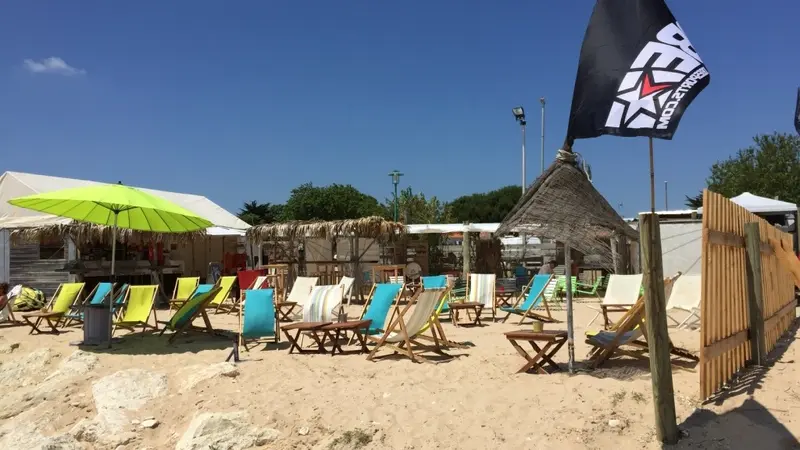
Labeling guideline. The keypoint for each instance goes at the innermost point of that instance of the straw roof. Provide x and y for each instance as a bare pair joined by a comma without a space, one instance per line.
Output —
89,233
367,227
562,204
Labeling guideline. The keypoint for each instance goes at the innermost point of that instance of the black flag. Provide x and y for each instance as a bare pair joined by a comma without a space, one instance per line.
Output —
637,72
797,113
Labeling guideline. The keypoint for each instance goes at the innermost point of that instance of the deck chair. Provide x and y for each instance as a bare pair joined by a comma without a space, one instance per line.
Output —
97,296
346,284
629,331
139,306
257,318
324,304
184,287
7,313
297,297
66,295
438,282
218,303
379,302
405,331
532,296
481,289
589,290
196,305
246,278
685,297
119,300
621,294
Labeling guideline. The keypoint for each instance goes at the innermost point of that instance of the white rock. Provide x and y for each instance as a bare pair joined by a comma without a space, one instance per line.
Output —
303,431
126,390
149,423
616,423
230,431
194,375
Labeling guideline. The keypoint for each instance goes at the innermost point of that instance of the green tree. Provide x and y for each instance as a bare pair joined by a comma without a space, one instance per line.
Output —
334,202
770,168
489,207
415,208
255,213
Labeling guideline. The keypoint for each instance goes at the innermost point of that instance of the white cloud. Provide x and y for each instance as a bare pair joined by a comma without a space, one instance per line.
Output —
52,65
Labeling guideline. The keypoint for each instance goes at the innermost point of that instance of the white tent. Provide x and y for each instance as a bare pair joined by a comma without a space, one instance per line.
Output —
18,184
763,205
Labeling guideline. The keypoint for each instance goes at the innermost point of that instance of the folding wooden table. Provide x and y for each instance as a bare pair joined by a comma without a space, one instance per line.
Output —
336,332
553,339
457,307
310,328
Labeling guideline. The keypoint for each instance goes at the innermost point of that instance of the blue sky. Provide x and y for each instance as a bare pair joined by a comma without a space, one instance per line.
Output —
245,100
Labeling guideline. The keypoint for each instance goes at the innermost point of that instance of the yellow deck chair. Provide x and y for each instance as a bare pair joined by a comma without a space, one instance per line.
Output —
184,288
138,308
65,296
226,283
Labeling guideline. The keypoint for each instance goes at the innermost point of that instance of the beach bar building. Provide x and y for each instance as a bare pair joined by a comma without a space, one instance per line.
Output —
41,250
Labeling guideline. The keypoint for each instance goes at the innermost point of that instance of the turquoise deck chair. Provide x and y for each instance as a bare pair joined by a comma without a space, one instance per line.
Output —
119,300
438,282
202,289
182,320
382,299
533,298
258,319
100,293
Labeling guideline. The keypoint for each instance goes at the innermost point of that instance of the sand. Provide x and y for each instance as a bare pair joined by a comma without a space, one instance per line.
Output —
472,401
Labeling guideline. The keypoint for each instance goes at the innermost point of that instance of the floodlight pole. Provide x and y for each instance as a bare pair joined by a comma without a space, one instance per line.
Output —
395,174
541,161
666,198
570,324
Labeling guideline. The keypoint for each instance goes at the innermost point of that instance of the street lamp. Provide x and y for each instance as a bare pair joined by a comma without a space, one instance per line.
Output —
542,101
519,114
395,174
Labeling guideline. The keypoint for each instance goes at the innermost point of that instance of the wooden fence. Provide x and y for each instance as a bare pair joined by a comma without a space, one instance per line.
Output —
725,316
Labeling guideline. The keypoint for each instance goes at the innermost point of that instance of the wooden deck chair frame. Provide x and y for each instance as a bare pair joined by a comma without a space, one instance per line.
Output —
10,320
529,312
405,347
633,318
187,326
46,314
174,301
132,325
242,341
227,305
494,295
395,306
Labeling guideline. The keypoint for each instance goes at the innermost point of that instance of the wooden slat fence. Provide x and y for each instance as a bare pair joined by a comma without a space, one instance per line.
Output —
724,332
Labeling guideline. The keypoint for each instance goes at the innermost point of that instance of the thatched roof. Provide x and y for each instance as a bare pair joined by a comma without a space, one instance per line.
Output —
562,204
366,227
89,233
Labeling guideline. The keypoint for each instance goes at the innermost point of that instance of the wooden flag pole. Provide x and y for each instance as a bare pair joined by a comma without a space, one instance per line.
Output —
656,319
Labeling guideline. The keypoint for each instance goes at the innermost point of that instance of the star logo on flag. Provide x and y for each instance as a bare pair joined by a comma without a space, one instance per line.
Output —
643,96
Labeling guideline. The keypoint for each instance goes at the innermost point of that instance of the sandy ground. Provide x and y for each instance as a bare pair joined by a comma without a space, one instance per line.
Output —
472,401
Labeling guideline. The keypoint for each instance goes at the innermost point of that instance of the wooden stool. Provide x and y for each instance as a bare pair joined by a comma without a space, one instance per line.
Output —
310,328
551,338
337,331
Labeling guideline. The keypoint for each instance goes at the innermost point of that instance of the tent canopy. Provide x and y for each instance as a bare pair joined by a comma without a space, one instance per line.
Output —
756,204
18,184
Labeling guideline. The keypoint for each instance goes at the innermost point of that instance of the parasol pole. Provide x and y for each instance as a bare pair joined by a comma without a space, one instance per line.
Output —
113,268
652,179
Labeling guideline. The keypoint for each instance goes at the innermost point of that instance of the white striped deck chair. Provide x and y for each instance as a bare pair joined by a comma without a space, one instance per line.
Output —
324,304
481,289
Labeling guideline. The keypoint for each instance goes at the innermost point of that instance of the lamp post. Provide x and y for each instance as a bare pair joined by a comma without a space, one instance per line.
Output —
519,114
395,174
541,161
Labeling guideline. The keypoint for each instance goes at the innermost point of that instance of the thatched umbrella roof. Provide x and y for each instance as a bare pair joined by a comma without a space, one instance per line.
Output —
367,227
562,204
89,233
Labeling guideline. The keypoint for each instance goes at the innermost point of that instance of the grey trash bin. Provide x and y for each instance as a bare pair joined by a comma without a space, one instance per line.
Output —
96,325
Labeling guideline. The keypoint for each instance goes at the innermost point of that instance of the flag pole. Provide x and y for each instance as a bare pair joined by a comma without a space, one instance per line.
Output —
652,179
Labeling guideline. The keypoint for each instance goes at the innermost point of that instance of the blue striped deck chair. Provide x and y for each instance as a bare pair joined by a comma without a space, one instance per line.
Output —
119,300
257,319
181,321
384,295
531,297
97,297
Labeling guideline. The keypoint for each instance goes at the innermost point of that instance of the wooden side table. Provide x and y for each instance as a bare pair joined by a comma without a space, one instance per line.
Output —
310,329
336,332
553,339
457,307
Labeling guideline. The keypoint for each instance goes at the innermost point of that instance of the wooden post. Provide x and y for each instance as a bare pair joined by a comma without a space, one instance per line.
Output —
656,324
356,258
568,291
755,298
465,250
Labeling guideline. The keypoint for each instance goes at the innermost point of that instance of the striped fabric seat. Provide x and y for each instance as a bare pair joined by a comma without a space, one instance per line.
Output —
323,304
481,288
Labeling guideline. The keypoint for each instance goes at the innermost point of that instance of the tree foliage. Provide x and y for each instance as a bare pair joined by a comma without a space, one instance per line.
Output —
415,208
489,207
769,168
255,213
333,202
